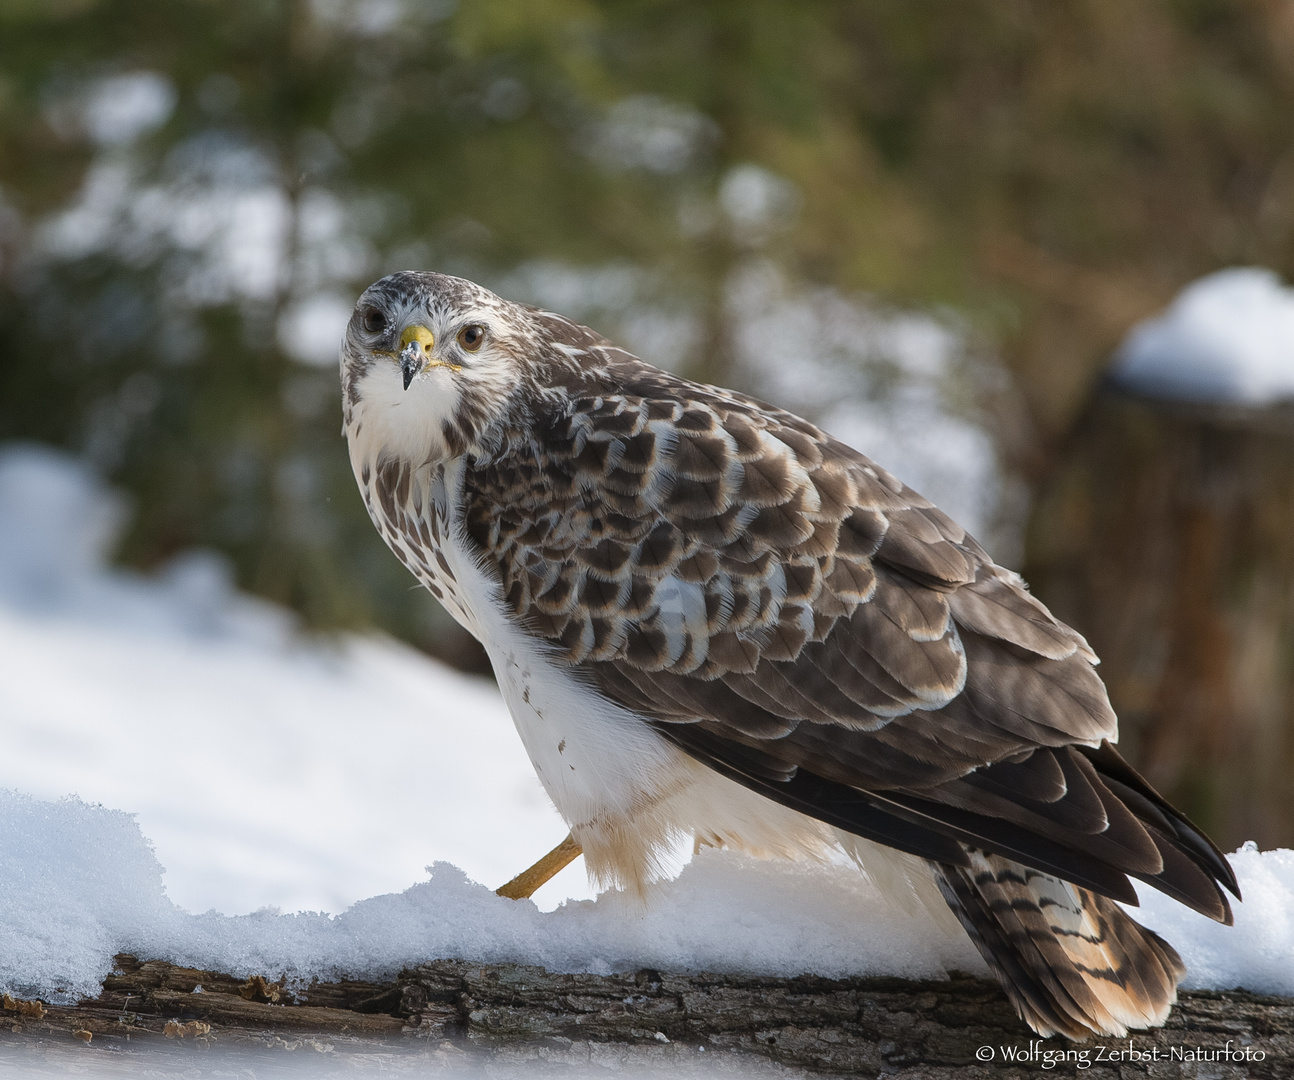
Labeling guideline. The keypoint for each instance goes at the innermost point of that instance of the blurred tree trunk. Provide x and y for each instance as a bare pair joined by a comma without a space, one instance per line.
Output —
1165,533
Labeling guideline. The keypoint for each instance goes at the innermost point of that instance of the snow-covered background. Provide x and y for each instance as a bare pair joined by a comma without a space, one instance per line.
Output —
268,769
191,779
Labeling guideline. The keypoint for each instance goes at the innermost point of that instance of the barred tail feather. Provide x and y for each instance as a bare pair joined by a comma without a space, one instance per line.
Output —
1071,961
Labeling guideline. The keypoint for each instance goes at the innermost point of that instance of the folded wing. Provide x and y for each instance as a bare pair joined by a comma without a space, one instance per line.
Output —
787,612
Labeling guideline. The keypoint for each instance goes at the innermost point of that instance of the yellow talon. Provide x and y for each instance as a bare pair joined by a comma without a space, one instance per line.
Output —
525,883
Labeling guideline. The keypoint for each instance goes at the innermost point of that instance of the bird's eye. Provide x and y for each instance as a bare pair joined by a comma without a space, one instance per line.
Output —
470,337
374,321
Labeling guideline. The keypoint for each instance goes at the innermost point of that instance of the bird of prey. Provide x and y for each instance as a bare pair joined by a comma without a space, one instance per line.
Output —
709,617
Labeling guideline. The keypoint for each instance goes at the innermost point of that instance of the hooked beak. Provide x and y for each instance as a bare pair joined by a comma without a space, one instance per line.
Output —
415,351
416,344
410,364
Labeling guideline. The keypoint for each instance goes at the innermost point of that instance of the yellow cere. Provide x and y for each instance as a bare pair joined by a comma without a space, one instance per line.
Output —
420,334
426,340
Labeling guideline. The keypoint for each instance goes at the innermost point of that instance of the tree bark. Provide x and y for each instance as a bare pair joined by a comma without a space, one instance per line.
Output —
455,1015
1166,536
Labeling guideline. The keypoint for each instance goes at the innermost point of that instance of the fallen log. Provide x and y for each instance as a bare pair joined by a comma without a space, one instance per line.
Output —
456,1014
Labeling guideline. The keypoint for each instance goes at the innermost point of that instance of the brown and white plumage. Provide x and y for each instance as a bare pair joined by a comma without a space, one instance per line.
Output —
710,617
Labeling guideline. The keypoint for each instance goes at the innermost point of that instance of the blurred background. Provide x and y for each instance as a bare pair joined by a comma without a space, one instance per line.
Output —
939,229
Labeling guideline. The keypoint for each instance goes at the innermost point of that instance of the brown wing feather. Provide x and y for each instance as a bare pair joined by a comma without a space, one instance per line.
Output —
665,528
784,607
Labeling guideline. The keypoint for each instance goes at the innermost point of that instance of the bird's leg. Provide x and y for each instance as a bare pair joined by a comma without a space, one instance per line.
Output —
525,883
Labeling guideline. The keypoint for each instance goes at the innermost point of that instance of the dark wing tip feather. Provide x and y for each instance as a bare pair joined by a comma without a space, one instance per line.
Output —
1140,834
1196,845
1143,837
999,836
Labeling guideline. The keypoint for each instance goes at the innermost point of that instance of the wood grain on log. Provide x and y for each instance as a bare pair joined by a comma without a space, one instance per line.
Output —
453,1013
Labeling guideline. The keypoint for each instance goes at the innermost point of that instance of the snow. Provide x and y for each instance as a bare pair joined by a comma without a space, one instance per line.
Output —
310,330
650,133
757,202
268,769
217,218
1258,952
81,884
113,110
121,108
265,771
1227,338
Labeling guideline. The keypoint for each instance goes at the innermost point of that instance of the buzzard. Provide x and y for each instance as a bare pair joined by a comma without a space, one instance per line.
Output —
709,617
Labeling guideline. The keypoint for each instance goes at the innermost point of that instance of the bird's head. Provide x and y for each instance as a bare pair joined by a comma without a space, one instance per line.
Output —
428,362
